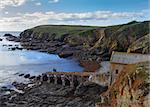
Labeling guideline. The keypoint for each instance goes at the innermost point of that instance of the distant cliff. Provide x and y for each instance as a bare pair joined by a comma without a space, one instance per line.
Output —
85,42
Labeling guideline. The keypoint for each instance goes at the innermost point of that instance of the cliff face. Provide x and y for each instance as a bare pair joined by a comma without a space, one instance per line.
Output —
131,88
84,42
141,45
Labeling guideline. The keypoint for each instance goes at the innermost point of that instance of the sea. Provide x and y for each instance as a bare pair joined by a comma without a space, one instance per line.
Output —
13,63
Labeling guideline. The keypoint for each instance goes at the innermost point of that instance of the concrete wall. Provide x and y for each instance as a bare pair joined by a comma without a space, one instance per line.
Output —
115,70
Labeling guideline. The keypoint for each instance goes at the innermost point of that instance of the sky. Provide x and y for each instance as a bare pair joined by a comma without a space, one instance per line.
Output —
18,15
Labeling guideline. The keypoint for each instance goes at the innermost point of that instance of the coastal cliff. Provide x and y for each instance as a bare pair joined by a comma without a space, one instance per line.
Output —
90,45
84,42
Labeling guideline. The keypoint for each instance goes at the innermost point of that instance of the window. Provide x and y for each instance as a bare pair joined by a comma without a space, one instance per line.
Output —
116,71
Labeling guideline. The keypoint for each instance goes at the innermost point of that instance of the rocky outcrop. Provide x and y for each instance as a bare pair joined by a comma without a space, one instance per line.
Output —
10,37
141,45
46,93
130,89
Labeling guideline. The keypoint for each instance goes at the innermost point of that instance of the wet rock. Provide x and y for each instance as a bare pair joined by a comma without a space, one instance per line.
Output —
19,86
51,79
65,54
75,81
13,48
32,77
59,81
38,78
67,82
10,37
1,39
18,48
44,77
21,75
27,76
4,45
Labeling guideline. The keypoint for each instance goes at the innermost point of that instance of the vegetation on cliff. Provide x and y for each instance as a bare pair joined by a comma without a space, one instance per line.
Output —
141,45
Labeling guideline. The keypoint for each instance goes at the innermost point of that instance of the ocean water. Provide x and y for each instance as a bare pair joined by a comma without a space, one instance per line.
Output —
13,63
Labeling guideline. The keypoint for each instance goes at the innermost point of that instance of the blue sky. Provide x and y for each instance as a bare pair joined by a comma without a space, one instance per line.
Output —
18,15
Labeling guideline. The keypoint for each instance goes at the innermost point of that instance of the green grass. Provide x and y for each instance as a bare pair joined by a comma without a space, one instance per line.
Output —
61,29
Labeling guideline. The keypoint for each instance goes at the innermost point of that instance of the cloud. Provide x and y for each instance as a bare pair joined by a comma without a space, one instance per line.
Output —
54,1
6,12
38,4
15,3
98,15
26,20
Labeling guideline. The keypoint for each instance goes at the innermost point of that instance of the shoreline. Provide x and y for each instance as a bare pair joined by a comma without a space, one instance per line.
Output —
85,94
89,65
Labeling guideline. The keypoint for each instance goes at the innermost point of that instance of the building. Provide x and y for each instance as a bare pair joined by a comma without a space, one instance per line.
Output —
119,60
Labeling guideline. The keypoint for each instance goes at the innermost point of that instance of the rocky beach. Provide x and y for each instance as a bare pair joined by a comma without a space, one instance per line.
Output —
45,93
85,44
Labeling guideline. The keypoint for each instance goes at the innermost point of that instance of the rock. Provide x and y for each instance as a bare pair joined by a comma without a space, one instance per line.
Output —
10,37
44,77
21,75
27,76
67,82
18,48
59,81
65,54
47,94
38,78
90,66
13,49
89,88
1,39
75,81
51,78
32,77
19,86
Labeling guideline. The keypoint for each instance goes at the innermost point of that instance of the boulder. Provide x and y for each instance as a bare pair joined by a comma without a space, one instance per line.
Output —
65,54
44,77
21,74
27,76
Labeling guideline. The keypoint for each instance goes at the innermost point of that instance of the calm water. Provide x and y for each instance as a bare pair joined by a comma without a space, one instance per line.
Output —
16,62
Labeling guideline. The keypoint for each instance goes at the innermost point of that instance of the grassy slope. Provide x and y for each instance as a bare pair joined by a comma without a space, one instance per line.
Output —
61,29
119,37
